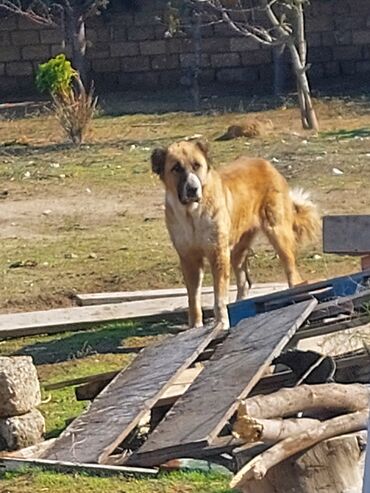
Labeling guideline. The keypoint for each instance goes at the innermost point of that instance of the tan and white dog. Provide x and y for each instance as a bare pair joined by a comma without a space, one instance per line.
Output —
215,215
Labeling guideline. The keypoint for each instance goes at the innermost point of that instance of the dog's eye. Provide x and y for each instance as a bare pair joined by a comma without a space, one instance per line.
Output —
196,166
177,168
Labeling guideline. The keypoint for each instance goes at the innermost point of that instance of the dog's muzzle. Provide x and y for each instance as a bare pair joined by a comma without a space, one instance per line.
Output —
190,189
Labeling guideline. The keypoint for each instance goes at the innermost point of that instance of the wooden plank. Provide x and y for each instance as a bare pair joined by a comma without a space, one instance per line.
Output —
340,286
348,235
197,417
14,464
123,296
94,435
343,304
90,390
76,318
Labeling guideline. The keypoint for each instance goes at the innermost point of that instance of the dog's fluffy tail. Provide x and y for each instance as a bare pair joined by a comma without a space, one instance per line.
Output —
306,224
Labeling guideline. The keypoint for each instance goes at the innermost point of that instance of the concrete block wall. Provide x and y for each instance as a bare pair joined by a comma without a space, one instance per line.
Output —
129,51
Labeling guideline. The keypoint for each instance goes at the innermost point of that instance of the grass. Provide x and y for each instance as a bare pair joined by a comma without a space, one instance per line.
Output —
91,219
38,481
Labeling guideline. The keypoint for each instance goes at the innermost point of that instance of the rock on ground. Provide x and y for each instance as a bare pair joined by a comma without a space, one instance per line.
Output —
19,386
21,431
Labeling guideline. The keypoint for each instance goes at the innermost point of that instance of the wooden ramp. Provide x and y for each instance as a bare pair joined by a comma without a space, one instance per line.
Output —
200,414
93,436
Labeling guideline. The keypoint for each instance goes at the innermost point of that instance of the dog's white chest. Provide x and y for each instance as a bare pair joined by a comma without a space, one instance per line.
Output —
189,227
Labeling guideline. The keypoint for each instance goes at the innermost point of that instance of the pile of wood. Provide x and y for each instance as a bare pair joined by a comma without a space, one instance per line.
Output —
325,411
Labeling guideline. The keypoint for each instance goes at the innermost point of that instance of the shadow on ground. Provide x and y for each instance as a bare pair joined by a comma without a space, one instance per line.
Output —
348,134
109,339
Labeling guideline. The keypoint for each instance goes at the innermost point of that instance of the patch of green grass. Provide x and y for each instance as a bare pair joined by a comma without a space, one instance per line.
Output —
40,481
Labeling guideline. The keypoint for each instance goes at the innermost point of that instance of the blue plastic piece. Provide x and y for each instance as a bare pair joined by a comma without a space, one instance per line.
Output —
340,286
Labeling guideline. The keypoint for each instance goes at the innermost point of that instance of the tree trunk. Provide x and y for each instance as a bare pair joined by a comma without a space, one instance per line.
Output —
333,466
279,69
197,38
76,34
308,115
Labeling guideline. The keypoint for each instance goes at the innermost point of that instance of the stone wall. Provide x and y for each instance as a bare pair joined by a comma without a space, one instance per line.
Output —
129,50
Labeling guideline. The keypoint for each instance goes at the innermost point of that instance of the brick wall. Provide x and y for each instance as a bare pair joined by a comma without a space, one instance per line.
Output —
129,50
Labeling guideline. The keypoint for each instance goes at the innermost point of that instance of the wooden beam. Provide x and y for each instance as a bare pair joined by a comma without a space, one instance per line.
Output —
123,296
348,235
200,414
15,464
94,435
77,318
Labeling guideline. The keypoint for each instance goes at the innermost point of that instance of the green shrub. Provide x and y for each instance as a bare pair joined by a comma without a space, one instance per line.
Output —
56,76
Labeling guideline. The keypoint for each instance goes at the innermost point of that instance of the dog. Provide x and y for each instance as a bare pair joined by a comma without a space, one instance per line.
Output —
216,214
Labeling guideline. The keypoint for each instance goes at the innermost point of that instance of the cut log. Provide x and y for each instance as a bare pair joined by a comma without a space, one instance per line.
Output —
270,430
287,402
258,467
332,466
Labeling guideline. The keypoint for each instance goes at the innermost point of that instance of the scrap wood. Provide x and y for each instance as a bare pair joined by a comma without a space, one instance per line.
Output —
252,430
350,367
94,435
237,365
258,467
14,464
123,296
289,401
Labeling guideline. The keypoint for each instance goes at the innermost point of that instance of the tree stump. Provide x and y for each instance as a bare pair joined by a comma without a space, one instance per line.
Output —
332,466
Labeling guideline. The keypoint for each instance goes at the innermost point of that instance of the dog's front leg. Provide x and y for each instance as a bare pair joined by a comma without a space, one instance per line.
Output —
192,269
220,265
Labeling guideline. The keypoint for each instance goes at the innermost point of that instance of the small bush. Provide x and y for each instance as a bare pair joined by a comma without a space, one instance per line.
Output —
73,106
56,76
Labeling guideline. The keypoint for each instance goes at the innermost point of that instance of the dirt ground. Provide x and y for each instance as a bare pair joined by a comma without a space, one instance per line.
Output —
91,218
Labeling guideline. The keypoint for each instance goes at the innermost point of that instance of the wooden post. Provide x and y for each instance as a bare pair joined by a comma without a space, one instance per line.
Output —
332,466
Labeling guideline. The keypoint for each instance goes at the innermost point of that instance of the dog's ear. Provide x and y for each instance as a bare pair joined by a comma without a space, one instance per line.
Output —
158,159
203,146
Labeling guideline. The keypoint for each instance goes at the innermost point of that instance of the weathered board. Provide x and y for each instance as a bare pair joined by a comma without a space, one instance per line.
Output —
123,296
323,290
200,414
346,234
94,435
15,464
76,318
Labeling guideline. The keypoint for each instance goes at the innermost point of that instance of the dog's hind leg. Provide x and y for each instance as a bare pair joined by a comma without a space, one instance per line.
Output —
192,268
239,261
282,239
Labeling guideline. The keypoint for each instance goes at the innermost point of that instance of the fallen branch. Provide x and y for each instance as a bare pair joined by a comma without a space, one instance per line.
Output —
289,401
270,430
258,467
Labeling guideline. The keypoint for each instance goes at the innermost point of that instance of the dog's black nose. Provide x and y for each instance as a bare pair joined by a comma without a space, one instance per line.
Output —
191,191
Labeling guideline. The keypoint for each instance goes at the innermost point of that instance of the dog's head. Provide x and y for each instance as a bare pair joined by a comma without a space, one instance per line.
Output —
183,167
